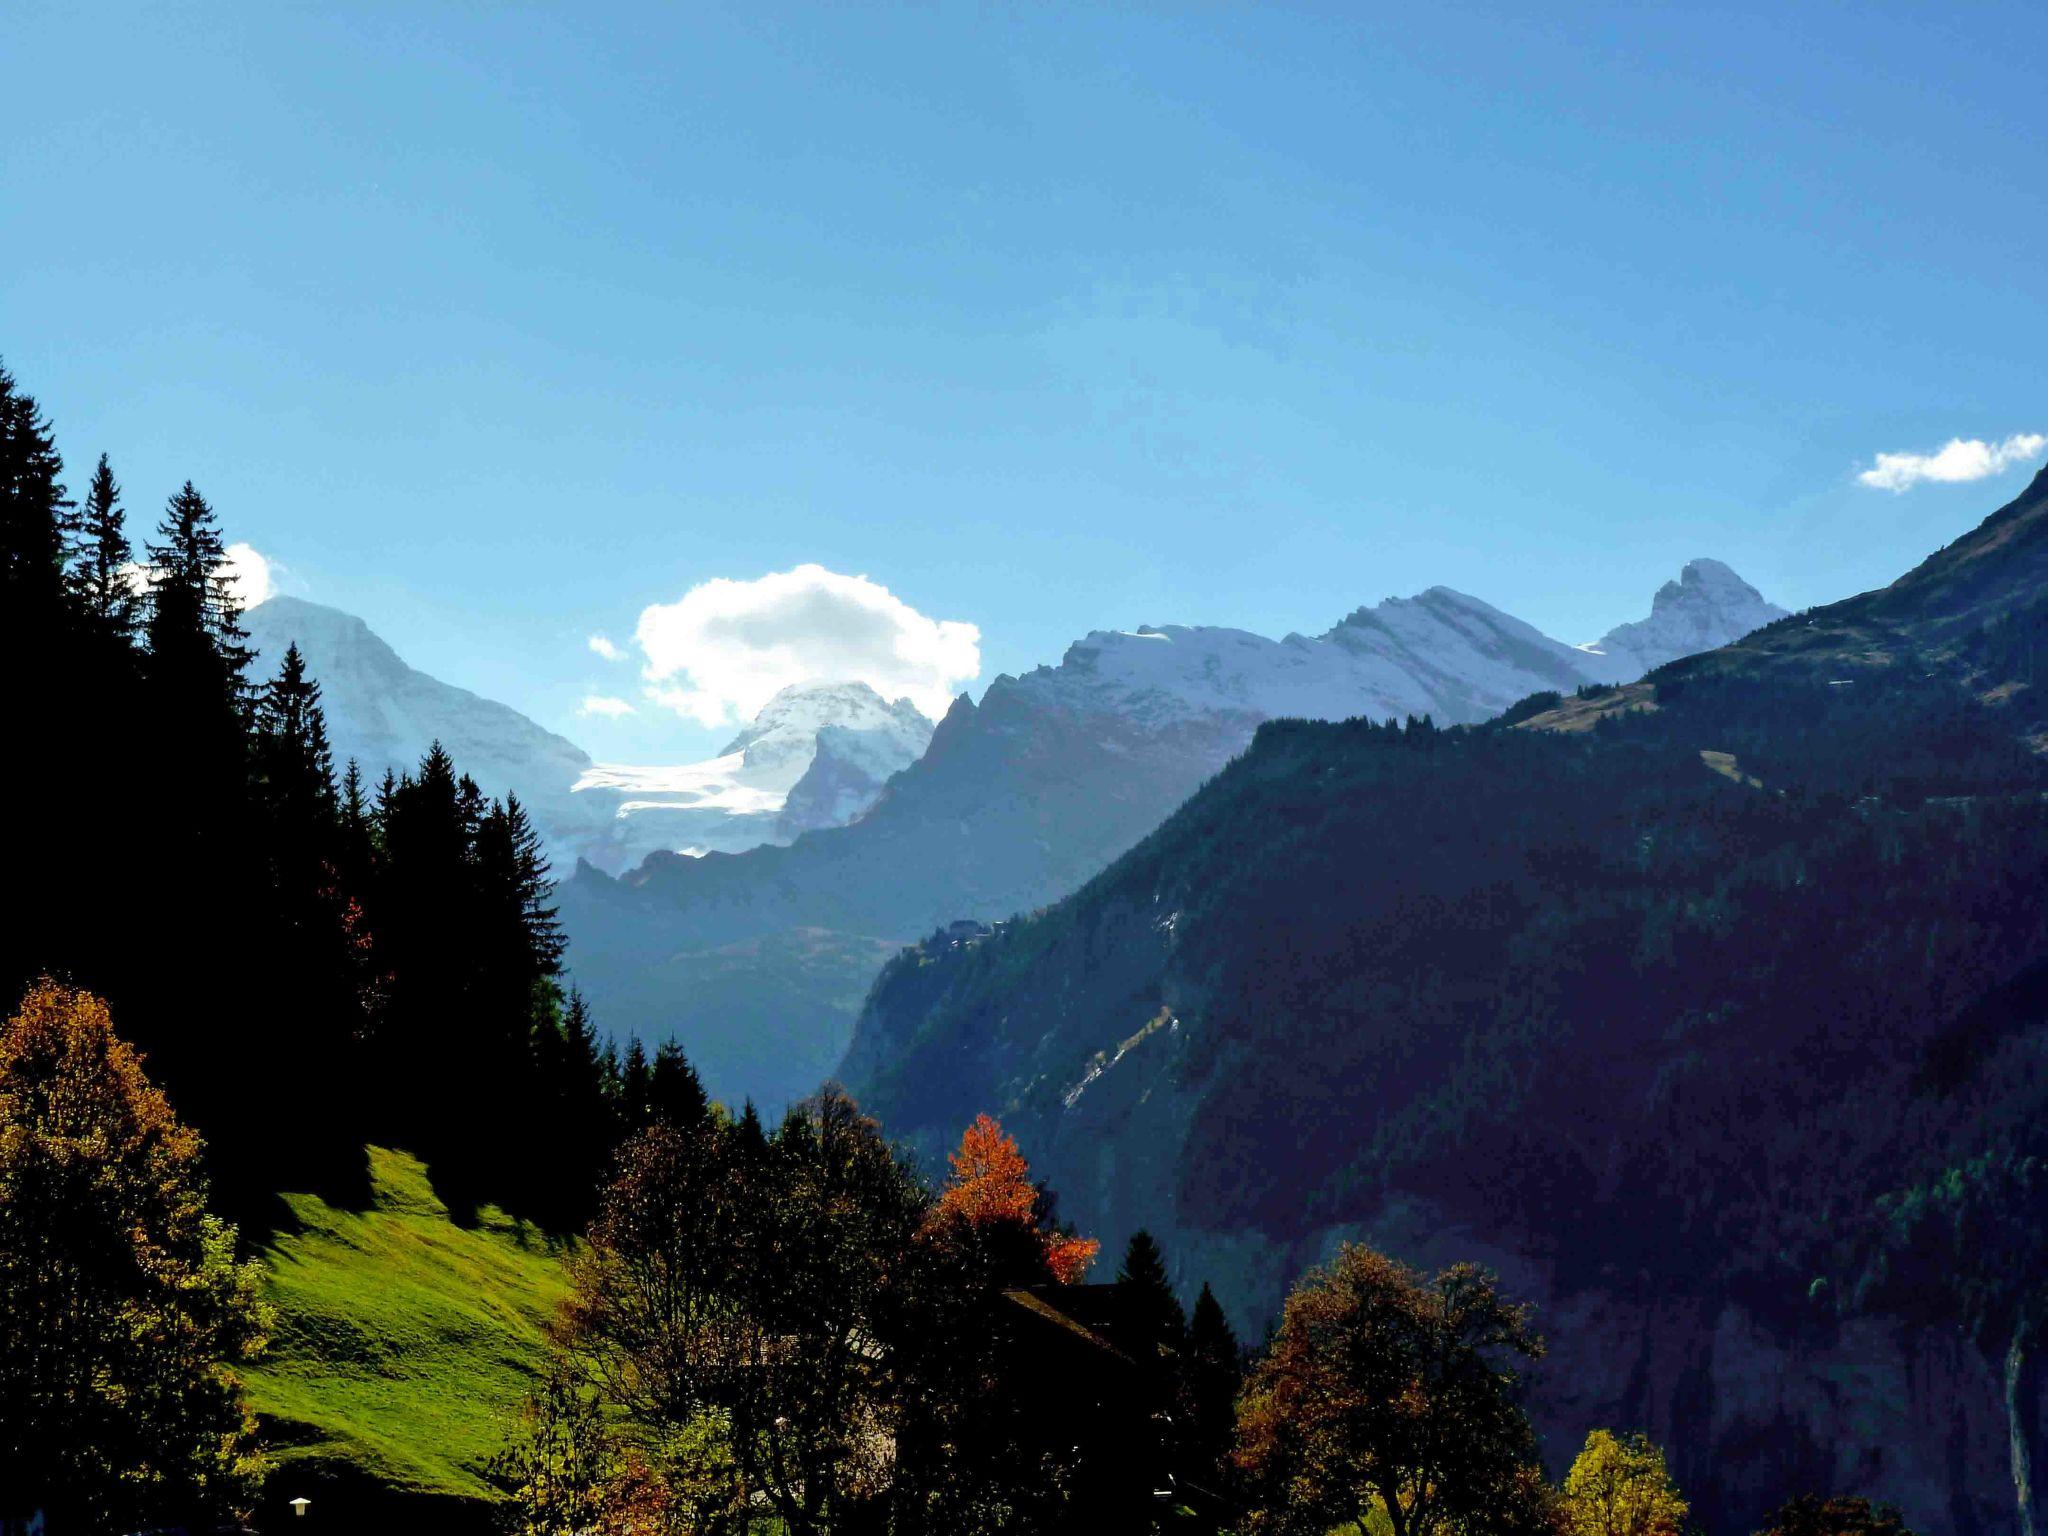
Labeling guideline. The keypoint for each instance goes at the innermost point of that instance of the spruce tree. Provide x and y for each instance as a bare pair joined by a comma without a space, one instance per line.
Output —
194,620
1152,1329
676,1094
47,692
103,575
1145,1296
1213,1374
294,763
636,1089
35,521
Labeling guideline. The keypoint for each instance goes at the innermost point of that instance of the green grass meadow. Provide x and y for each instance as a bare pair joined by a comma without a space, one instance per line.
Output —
403,1346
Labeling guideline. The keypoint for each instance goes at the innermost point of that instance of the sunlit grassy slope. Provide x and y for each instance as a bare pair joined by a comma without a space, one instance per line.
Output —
404,1342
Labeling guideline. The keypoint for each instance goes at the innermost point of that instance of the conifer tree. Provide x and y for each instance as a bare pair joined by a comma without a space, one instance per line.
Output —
1213,1374
45,690
636,1088
35,519
675,1092
103,576
1152,1330
294,761
1145,1296
195,633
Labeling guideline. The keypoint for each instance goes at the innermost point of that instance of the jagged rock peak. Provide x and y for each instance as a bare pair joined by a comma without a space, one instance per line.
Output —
1707,607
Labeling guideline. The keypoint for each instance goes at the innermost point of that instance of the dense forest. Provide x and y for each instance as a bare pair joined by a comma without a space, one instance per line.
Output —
308,962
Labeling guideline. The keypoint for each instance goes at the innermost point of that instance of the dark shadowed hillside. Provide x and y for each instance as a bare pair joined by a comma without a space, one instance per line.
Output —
1690,1005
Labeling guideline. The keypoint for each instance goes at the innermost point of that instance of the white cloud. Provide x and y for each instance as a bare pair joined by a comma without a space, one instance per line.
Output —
250,574
1959,459
726,647
603,704
603,647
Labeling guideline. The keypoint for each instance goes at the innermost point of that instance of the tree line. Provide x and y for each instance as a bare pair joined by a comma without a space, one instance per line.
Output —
309,961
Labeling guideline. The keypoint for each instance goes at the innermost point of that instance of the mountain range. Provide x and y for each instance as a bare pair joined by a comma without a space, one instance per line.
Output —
758,962
816,755
1709,1009
743,905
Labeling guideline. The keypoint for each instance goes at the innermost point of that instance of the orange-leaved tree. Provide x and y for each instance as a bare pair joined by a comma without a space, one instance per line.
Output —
990,1192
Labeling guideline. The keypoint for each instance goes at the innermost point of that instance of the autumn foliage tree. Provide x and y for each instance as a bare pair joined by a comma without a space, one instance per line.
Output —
1619,1486
733,1315
1389,1401
124,1308
990,1197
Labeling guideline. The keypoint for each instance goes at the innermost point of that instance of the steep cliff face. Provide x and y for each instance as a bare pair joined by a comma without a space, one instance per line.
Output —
1649,1000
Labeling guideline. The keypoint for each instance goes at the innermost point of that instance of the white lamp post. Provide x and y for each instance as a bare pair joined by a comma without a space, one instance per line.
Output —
299,1506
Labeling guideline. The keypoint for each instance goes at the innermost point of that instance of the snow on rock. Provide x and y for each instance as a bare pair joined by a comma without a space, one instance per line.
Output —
737,800
1440,653
386,715
1706,608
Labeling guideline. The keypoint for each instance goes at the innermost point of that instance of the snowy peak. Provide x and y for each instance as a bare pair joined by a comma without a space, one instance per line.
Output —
783,737
816,755
386,714
1706,608
1442,652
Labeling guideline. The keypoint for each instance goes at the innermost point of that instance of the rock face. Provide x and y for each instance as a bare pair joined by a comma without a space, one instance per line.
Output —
1708,606
1025,796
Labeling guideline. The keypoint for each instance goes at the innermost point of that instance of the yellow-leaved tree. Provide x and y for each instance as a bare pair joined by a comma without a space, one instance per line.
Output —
1619,1487
122,1306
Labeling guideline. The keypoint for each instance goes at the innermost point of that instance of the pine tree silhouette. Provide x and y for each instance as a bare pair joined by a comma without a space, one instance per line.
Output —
1213,1374
36,524
676,1094
103,577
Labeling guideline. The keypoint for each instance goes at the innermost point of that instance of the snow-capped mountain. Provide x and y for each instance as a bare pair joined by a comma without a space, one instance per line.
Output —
386,714
1024,796
1439,653
830,745
1708,606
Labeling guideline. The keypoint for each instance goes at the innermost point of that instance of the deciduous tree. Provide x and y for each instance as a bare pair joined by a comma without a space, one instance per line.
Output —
1389,1397
125,1309
1619,1486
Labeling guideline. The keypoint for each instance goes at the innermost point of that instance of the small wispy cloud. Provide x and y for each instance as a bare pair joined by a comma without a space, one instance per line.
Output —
605,705
1958,460
603,647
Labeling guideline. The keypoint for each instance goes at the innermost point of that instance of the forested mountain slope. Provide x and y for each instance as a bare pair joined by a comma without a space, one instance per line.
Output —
1703,1008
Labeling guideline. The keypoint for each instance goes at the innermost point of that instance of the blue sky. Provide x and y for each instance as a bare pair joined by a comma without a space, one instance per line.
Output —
498,329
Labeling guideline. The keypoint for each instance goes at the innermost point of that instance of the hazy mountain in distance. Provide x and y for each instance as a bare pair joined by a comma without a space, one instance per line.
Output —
1024,796
386,714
